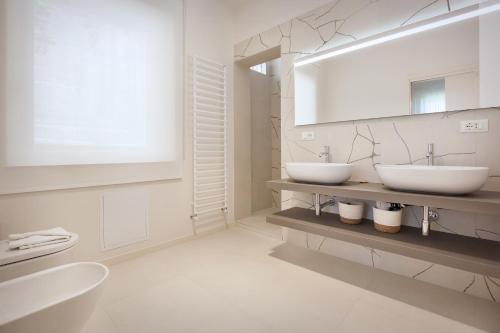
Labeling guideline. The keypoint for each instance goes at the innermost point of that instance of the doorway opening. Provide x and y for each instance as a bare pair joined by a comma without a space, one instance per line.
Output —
257,141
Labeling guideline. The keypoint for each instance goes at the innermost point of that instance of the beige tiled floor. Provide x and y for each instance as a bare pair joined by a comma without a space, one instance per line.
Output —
257,223
242,281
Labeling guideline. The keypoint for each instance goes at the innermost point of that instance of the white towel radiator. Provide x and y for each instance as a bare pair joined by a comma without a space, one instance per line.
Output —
209,143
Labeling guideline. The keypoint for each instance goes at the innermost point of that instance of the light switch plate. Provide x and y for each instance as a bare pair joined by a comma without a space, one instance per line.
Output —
474,126
307,136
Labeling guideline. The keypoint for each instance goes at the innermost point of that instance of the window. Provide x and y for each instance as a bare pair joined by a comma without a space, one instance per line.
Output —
428,96
260,68
93,82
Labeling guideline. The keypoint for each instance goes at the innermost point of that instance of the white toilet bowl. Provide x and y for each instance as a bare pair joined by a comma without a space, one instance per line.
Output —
55,300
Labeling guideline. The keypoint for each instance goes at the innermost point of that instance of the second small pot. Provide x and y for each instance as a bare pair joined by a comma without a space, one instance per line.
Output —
351,212
387,220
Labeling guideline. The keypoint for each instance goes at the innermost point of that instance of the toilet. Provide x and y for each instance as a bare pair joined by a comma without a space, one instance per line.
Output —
59,299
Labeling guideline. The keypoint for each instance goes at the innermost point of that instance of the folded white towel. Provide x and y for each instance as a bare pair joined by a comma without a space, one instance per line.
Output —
35,241
49,232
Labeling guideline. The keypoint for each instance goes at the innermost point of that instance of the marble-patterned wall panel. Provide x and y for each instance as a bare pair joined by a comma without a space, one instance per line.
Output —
342,22
448,277
274,71
398,140
401,140
487,227
488,145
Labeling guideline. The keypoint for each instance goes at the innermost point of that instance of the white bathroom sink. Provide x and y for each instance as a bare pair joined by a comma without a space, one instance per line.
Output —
326,173
434,179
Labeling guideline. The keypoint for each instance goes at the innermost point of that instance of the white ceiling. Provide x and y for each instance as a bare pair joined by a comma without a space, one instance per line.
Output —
235,4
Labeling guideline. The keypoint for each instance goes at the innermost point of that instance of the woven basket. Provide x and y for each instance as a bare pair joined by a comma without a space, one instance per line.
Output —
349,221
387,228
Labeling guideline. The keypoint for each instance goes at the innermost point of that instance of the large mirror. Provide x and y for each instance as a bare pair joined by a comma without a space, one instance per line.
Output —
448,63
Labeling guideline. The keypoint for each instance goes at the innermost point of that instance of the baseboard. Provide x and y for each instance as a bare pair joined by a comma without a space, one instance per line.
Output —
157,247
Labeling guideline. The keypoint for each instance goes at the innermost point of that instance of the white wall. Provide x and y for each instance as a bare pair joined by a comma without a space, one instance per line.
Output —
208,34
311,84
462,91
489,53
209,26
260,15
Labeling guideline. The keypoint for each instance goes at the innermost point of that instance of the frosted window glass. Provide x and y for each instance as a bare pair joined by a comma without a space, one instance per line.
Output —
260,68
93,81
428,96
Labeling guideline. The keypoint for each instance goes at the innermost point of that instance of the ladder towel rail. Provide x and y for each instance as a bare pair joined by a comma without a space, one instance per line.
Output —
209,132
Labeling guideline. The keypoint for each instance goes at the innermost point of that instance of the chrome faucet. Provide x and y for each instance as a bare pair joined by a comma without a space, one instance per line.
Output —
429,214
324,152
430,154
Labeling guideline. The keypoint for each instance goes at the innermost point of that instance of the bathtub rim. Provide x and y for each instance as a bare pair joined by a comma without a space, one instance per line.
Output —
68,297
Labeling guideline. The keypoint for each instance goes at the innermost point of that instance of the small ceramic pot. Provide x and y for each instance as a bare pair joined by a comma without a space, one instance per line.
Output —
351,212
387,220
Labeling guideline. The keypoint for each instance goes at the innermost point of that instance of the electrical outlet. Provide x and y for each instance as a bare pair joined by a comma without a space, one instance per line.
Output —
307,136
474,126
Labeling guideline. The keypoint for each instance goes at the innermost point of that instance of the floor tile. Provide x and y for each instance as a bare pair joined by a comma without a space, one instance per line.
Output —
99,322
178,305
243,281
375,313
131,276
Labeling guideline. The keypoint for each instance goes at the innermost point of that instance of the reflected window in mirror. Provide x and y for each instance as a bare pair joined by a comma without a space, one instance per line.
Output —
260,68
428,96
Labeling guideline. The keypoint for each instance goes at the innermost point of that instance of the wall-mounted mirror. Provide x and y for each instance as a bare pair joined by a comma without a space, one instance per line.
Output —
448,63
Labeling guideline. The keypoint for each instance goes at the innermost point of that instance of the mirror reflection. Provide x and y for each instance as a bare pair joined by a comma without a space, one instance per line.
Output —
450,68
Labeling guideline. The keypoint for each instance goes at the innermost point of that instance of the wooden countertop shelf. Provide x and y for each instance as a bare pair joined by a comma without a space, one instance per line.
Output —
467,253
483,202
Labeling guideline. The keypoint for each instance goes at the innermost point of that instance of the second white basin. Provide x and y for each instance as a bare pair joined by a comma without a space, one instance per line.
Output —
454,180
326,173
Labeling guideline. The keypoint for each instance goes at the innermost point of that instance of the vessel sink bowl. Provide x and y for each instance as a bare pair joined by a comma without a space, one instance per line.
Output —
322,173
454,180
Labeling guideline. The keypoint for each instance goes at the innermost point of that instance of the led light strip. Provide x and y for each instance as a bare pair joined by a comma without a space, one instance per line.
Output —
411,29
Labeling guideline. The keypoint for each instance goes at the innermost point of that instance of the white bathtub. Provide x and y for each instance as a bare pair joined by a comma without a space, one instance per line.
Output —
55,300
